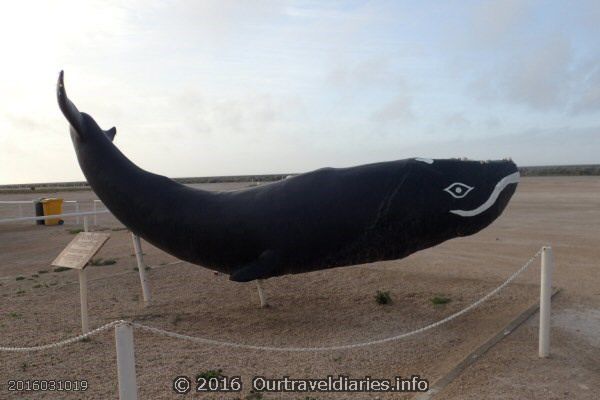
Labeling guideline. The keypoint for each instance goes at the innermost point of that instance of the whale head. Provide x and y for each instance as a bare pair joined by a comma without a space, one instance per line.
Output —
461,197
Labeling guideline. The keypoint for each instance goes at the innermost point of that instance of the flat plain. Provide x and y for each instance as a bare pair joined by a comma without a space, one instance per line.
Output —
324,308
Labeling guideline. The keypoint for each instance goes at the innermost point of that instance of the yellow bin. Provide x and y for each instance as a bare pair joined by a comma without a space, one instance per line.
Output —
52,206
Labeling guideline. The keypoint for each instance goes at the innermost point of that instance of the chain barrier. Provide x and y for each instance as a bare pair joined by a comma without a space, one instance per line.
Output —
66,341
274,348
341,347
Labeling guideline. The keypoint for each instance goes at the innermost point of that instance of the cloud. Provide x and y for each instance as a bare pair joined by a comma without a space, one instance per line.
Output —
493,21
370,73
25,123
217,87
397,110
493,123
541,77
529,54
457,120
589,90
578,145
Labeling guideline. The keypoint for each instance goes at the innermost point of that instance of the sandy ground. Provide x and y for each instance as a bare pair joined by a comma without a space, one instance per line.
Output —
320,309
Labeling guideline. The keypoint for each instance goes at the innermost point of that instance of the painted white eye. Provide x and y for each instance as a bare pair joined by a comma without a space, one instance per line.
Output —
458,190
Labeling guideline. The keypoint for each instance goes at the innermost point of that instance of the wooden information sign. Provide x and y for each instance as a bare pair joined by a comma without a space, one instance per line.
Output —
81,249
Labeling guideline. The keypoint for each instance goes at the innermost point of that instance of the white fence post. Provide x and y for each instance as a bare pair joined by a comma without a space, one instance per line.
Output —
83,296
125,362
86,225
83,290
139,255
95,215
545,301
261,295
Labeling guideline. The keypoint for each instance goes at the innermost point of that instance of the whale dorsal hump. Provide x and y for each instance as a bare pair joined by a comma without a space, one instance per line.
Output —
110,134
68,109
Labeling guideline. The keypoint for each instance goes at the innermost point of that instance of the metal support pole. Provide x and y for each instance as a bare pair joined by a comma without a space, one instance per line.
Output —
77,211
83,297
261,295
95,215
137,245
545,299
125,362
86,226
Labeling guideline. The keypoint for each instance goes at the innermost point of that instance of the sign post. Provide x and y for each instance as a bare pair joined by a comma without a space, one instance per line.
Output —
545,301
76,255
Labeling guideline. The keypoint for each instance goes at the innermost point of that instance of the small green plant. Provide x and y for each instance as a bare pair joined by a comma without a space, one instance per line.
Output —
211,373
85,340
137,269
43,271
100,262
61,269
24,366
383,297
75,231
440,300
14,315
35,276
20,278
20,291
39,285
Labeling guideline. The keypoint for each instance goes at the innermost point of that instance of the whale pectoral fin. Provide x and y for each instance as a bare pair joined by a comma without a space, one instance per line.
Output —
263,267
110,134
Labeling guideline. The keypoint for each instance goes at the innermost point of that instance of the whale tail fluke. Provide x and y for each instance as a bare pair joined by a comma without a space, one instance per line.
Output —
73,115
68,109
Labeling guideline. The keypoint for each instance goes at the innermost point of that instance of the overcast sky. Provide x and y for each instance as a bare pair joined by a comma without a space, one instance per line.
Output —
199,88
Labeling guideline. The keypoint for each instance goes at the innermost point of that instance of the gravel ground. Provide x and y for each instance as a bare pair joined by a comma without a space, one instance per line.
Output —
319,309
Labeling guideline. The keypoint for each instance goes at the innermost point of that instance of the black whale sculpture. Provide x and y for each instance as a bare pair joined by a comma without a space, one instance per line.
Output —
321,219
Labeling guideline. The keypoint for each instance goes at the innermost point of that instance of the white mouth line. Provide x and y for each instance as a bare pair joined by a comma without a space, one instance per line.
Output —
507,180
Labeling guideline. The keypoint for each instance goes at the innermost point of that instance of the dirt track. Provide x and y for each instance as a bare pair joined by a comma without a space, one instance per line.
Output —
322,308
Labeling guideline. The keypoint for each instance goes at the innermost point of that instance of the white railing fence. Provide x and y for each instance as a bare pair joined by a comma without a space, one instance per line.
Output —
96,210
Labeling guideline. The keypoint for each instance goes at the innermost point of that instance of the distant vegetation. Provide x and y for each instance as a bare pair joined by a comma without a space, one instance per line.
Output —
561,170
550,170
71,186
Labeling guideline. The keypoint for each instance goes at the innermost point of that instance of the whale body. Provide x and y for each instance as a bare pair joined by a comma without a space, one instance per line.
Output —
327,218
